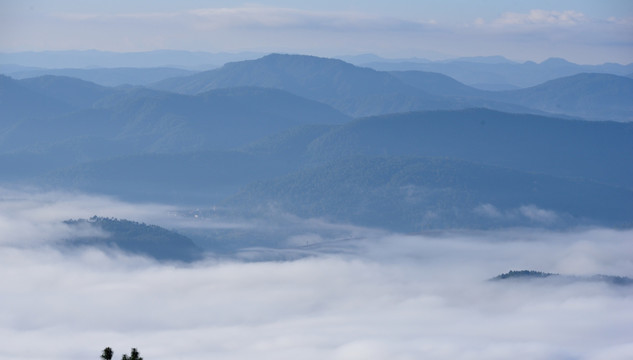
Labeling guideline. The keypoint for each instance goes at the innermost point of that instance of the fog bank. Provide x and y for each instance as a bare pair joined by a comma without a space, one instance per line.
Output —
388,296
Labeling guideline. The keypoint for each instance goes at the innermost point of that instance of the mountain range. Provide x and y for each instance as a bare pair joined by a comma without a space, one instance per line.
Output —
358,91
498,73
320,138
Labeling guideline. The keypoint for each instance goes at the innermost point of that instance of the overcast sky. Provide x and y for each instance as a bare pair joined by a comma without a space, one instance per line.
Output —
583,31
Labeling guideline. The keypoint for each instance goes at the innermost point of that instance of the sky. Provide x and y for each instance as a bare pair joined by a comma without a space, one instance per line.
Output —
389,296
583,31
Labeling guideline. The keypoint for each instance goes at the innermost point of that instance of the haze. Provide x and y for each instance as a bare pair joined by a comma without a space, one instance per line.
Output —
586,32
317,180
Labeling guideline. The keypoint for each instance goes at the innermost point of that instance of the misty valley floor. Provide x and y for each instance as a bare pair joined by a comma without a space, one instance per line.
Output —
380,295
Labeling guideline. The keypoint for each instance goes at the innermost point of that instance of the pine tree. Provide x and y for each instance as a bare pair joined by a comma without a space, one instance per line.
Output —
107,354
134,355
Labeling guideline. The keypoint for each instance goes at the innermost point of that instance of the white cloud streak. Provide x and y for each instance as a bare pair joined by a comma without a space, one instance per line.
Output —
549,17
265,18
529,212
395,297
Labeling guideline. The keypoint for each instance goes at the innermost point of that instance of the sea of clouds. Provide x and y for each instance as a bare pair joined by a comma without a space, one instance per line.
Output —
386,296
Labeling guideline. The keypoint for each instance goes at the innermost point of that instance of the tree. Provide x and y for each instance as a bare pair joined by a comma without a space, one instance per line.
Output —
107,354
134,355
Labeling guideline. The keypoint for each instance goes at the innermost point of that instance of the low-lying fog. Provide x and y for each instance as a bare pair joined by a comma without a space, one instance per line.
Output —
387,296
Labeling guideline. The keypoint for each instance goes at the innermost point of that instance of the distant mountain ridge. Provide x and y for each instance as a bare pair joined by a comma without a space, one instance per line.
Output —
588,95
359,91
503,72
353,90
107,76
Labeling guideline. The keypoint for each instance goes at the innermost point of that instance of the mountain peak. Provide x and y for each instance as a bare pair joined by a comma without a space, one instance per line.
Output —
280,57
556,62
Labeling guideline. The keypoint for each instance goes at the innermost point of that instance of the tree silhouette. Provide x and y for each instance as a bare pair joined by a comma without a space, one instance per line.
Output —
107,354
134,355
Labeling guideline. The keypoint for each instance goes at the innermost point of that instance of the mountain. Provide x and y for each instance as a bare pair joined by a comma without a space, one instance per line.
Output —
48,108
436,83
107,76
153,121
217,119
360,91
601,151
74,92
276,132
18,102
502,73
136,238
414,194
353,90
590,96
361,59
290,145
570,149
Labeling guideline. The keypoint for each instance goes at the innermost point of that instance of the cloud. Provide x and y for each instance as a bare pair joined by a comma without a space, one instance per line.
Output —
270,18
548,17
539,215
488,210
390,296
554,31
526,212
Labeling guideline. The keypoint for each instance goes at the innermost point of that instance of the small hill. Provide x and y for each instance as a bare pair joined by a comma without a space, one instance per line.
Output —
538,275
137,238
